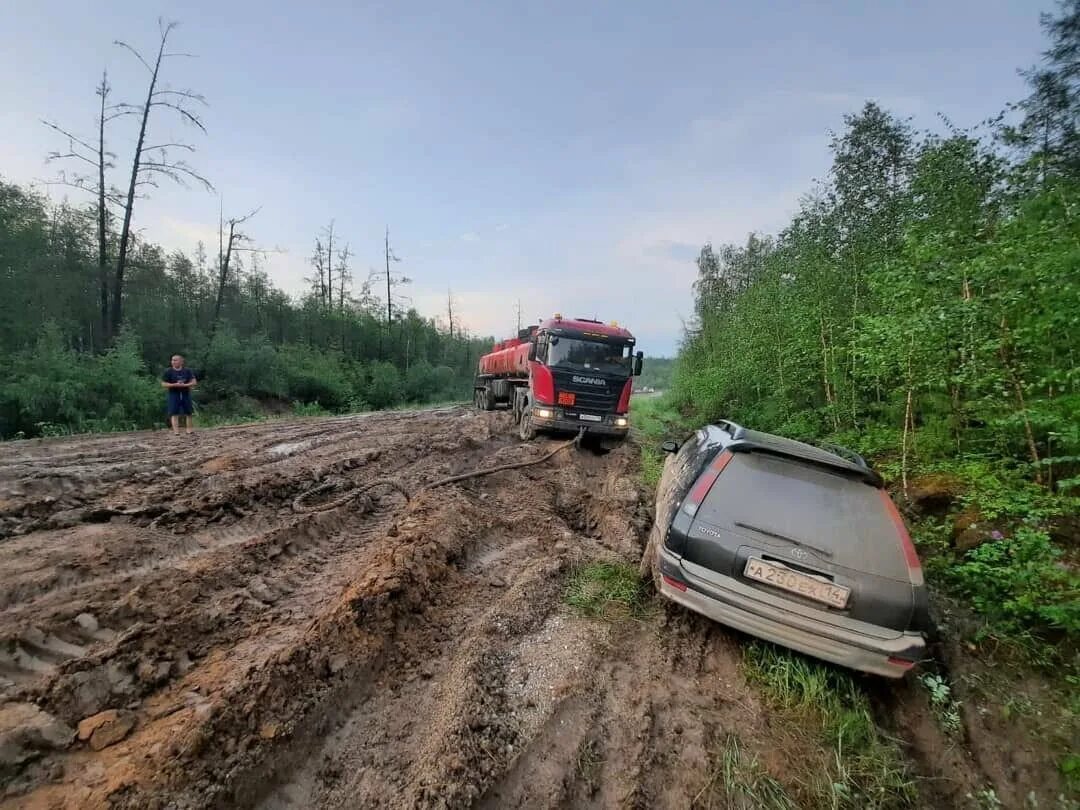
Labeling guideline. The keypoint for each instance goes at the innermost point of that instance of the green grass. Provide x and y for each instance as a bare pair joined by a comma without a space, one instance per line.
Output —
866,769
607,590
737,780
654,420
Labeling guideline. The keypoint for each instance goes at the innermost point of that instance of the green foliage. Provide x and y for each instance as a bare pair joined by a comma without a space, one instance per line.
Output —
52,390
867,769
737,779
653,420
656,373
923,308
1070,769
385,387
264,352
308,409
606,590
945,707
1020,582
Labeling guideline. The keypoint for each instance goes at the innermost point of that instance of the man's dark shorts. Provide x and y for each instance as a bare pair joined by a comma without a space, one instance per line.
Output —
179,403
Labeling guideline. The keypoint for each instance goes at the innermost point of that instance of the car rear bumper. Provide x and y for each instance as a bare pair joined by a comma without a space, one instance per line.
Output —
848,648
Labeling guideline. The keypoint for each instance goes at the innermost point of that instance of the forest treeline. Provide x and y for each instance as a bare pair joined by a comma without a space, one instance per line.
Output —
261,348
90,313
923,306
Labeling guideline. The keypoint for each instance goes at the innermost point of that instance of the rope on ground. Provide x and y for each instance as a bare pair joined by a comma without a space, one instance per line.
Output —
516,466
298,504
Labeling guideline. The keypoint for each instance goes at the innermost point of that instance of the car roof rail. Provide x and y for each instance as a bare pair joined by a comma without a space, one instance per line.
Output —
737,431
844,452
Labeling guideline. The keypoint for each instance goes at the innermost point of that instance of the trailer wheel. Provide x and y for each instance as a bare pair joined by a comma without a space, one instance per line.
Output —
526,431
489,398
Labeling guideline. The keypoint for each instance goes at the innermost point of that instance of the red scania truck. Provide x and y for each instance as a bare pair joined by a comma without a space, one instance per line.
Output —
562,375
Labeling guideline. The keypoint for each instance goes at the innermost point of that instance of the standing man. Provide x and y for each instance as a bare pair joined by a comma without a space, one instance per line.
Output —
179,381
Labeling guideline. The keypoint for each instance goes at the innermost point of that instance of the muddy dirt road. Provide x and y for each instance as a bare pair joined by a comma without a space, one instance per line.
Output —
174,634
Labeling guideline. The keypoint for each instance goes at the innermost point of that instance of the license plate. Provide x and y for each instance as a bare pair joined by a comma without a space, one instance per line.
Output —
567,398
588,417
788,580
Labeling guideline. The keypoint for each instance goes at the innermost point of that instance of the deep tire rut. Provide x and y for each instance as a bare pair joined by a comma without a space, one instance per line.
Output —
378,654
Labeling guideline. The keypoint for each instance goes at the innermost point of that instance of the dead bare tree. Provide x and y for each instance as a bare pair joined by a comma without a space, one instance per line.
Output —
390,257
450,311
328,300
151,162
96,155
344,276
236,241
344,286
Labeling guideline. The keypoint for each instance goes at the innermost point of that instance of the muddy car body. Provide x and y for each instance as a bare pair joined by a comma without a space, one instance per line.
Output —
790,543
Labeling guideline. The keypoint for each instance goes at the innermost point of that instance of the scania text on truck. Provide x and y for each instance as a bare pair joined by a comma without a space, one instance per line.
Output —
561,376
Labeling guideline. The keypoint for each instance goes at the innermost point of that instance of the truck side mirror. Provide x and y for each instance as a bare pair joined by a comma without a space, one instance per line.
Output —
670,447
532,351
638,358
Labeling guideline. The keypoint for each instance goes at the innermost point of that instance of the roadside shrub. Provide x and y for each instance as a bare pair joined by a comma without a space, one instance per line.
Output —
53,391
252,367
44,385
385,387
313,376
419,382
308,409
123,395
1020,582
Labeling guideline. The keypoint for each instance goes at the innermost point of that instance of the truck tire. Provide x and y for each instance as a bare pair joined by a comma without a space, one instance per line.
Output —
489,398
526,431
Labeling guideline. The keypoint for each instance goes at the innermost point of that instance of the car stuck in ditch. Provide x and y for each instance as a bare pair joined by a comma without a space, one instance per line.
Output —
789,542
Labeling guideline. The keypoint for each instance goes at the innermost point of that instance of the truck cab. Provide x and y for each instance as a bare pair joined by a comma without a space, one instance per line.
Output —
562,376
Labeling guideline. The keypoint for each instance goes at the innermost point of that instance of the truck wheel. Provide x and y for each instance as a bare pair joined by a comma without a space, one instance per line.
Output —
526,431
489,399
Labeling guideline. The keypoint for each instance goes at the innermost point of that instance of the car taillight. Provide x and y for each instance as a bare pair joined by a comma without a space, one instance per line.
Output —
705,482
674,583
911,557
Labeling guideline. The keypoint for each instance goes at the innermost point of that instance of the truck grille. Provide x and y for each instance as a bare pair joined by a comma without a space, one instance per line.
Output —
588,397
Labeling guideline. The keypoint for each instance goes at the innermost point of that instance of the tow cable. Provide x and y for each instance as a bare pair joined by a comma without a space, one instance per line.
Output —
298,504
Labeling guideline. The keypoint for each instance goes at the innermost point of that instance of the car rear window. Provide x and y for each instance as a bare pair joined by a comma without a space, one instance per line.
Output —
809,505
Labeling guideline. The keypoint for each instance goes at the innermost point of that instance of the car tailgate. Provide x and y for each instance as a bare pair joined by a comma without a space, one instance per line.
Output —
812,522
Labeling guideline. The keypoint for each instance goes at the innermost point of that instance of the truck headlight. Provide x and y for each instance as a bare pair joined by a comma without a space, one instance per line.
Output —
545,413
621,421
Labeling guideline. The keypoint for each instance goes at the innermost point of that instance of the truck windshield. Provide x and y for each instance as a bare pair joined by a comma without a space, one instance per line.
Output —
613,358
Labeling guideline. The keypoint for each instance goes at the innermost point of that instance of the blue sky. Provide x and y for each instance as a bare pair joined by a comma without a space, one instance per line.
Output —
574,155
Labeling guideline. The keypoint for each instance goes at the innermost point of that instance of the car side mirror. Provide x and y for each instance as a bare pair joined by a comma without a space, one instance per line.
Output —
670,447
638,358
532,351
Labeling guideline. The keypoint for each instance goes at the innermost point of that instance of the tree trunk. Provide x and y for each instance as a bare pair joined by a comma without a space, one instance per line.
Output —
1018,389
125,231
103,259
329,302
389,311
223,277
